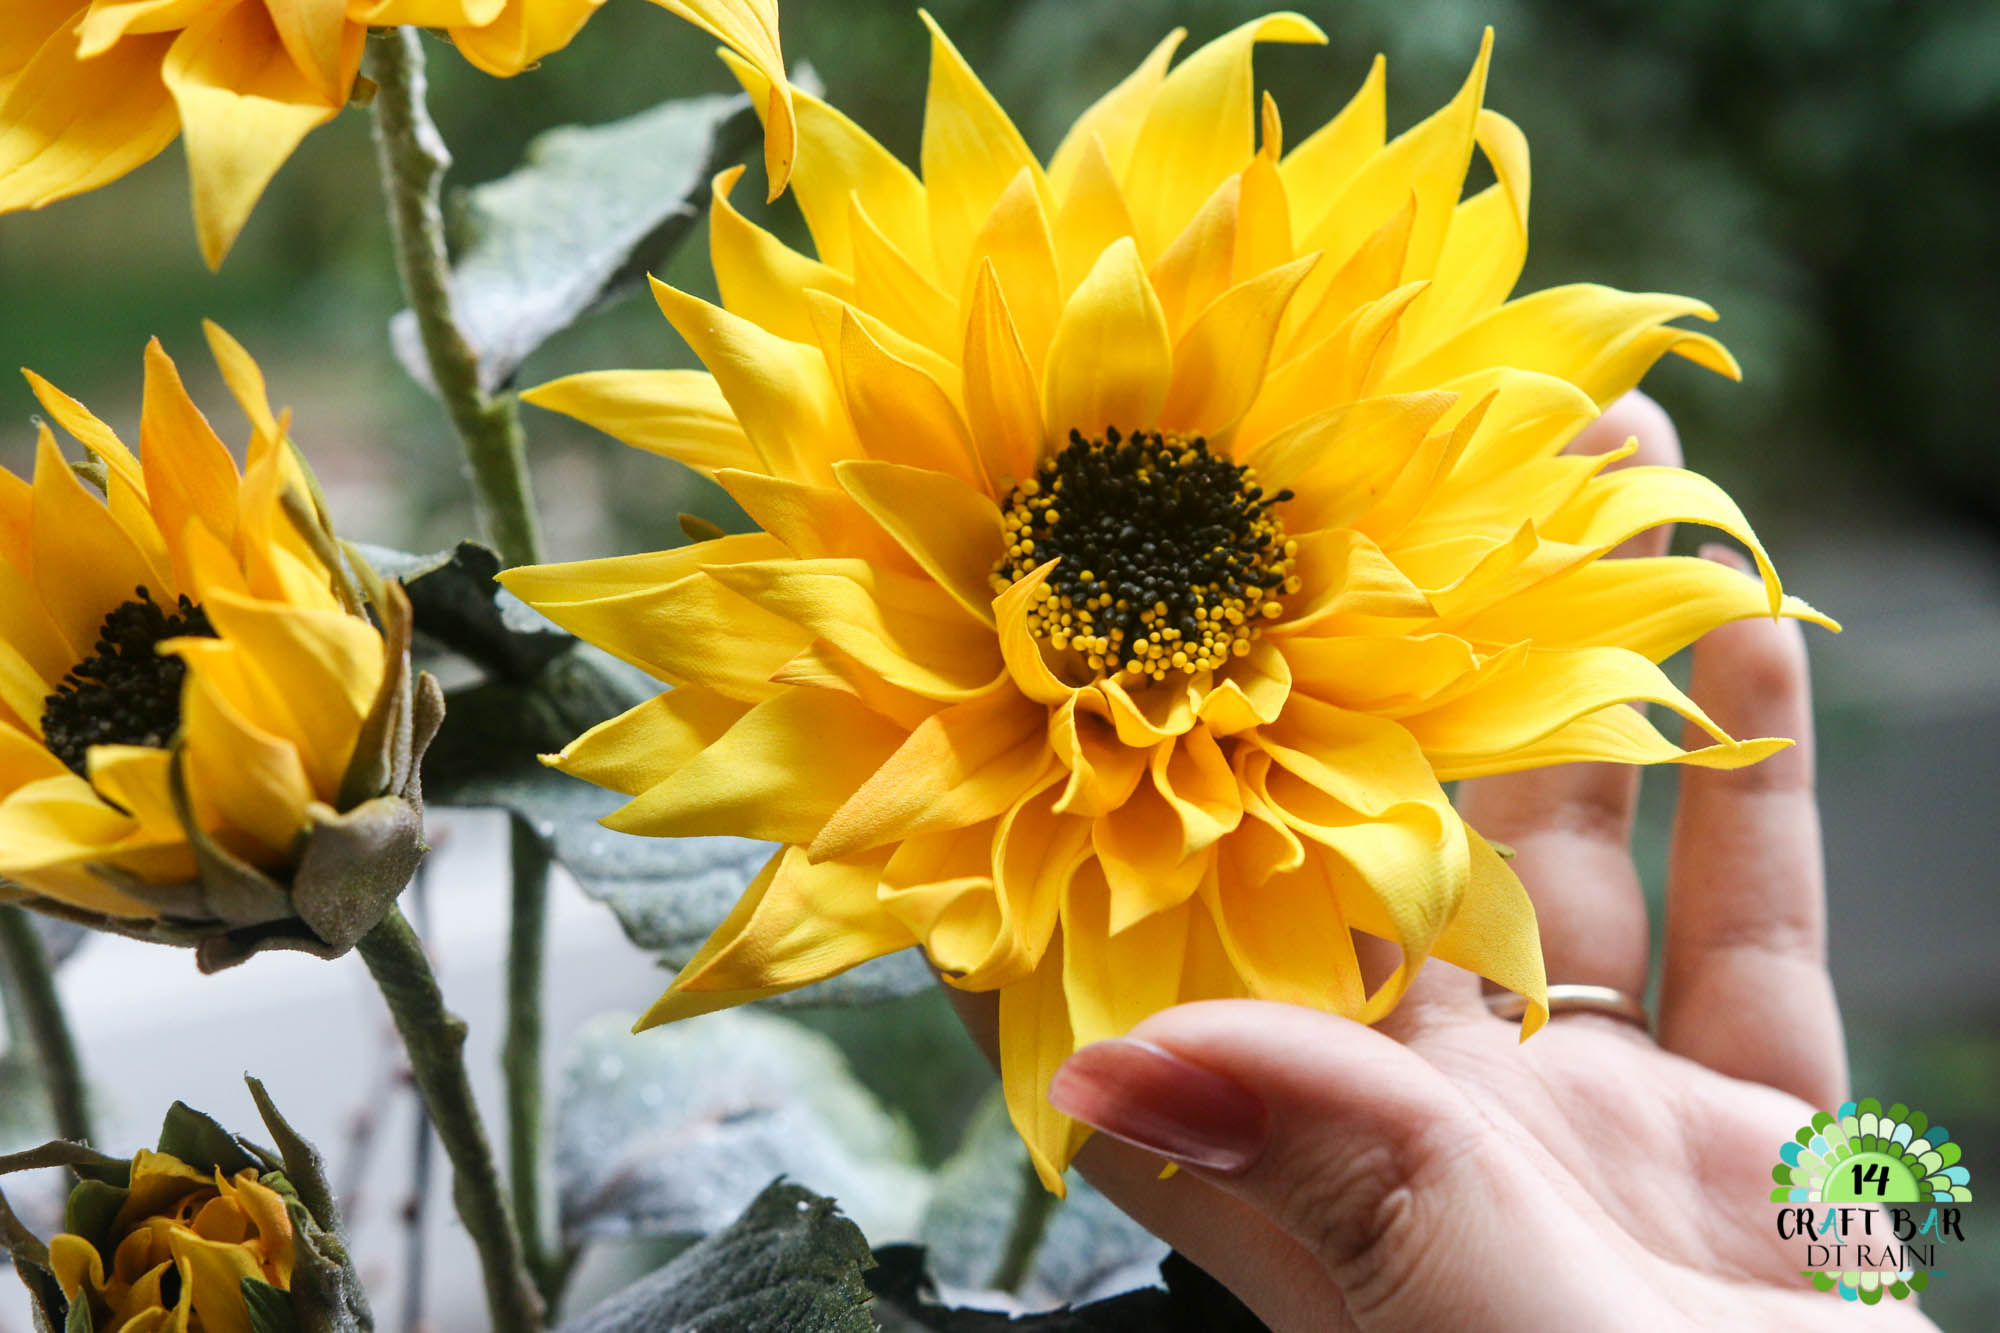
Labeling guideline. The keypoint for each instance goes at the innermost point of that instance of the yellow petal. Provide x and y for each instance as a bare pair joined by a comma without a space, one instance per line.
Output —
23,760
1140,846
1617,505
1200,128
750,27
779,772
522,34
969,763
1113,979
633,751
244,107
1342,367
190,476
244,378
971,152
1035,1037
909,632
91,433
900,413
1429,159
1113,120
1284,932
1002,399
32,23
804,923
250,776
1486,245
26,628
1103,770
1346,575
85,565
218,1271
1651,606
68,125
759,276
1219,363
1319,168
780,391
678,414
822,666
1110,362
1093,217
1549,690
692,630
327,664
314,33
134,778
1597,338
1197,267
1019,647
950,530
837,160
1388,676
890,285
813,521
1016,247
1341,462
1494,934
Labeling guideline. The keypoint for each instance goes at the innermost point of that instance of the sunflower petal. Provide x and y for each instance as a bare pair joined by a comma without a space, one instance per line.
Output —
69,125
1110,363
678,414
971,153
1493,933
244,106
1035,1037
750,27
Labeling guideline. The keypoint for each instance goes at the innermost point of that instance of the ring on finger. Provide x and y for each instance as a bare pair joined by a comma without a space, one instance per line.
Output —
1576,998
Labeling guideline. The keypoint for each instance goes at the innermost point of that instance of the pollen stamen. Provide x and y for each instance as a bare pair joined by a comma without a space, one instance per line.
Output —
1172,558
127,692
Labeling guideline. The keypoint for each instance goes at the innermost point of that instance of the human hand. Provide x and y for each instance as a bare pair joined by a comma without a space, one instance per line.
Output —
1434,1172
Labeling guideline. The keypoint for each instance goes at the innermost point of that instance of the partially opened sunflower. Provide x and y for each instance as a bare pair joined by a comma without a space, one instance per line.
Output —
207,735
91,89
1146,535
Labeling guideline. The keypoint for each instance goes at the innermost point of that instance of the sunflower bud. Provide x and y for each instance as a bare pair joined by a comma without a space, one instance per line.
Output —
210,727
208,1231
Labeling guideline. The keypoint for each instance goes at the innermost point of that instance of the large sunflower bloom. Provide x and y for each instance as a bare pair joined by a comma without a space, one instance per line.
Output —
91,89
192,691
1146,536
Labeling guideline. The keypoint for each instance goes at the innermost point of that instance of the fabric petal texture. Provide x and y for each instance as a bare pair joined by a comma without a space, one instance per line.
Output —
1148,534
208,729
93,89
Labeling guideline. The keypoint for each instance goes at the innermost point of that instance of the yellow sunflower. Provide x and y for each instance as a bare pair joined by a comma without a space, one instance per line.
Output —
91,89
1146,535
201,728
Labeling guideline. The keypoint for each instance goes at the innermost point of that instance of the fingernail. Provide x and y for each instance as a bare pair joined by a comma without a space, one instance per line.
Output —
1153,1099
1723,555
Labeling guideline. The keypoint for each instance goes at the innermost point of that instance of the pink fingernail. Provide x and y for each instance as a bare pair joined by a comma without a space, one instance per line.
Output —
1723,555
1153,1099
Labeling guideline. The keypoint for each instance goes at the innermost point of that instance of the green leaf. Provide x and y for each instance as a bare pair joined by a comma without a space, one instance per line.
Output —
458,606
270,1309
202,1143
906,1301
667,893
588,213
670,1132
790,1264
1089,1249
327,1296
79,1320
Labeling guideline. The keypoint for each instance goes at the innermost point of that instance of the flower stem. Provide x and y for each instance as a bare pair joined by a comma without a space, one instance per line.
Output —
1031,1221
413,160
30,983
435,1040
521,1057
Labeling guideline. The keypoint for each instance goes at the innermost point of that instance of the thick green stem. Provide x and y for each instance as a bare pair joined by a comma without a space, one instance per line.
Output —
521,1057
31,992
413,160
1031,1221
435,1040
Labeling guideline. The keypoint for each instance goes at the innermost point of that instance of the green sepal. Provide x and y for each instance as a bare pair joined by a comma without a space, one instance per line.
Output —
91,1208
79,1319
270,1309
202,1143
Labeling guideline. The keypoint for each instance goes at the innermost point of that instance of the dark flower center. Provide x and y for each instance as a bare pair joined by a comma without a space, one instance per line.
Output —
127,692
1171,557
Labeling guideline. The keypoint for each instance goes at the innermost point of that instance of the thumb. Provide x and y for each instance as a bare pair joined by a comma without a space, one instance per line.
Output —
1424,1214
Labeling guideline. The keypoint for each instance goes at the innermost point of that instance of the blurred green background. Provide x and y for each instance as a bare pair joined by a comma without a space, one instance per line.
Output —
1824,174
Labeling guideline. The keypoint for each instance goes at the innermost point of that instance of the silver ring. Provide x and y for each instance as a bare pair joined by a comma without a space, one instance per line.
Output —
1574,998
